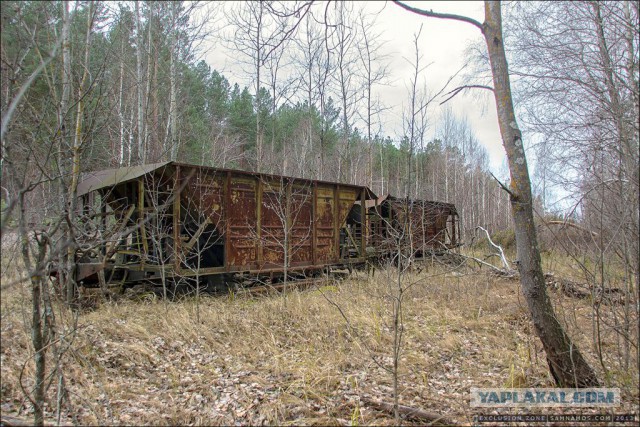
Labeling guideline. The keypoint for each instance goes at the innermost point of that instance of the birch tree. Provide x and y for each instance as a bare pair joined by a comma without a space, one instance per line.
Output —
257,35
141,147
567,365
578,86
309,49
374,72
343,43
30,162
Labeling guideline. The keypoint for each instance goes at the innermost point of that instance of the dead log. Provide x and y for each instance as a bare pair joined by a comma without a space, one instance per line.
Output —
571,289
9,421
411,413
506,273
571,224
503,258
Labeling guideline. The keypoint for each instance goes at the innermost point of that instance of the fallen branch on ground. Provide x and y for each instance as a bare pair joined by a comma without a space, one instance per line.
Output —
410,413
571,224
508,273
607,296
498,247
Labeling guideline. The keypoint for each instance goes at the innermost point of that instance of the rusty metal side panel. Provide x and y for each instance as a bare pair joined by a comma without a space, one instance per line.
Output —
204,195
301,224
437,221
429,223
332,207
326,250
272,232
242,248
287,207
346,199
200,207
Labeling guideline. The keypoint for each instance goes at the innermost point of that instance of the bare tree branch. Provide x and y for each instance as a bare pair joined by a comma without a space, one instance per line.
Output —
433,14
459,89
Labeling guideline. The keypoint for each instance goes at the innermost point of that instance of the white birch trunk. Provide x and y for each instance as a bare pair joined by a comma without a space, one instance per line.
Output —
139,47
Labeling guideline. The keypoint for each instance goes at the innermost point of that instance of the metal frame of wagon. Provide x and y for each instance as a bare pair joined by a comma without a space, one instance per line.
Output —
132,182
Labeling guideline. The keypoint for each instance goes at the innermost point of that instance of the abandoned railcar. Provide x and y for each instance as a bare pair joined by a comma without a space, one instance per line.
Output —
169,222
417,227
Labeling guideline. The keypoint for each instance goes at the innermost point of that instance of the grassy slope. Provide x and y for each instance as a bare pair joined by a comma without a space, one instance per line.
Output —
293,359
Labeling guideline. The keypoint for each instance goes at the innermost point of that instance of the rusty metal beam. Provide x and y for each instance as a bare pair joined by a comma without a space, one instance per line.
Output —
177,241
259,248
314,221
336,225
227,222
142,230
363,224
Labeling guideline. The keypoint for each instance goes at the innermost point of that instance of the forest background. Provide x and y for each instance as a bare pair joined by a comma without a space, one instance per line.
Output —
93,85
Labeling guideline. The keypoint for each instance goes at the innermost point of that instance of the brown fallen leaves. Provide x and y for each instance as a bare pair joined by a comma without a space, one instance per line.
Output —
261,361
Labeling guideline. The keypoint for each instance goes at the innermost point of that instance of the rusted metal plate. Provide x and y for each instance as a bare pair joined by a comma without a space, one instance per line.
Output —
272,225
242,218
205,194
325,230
347,198
85,270
301,225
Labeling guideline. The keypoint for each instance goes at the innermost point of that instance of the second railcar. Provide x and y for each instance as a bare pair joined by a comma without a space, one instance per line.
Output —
417,227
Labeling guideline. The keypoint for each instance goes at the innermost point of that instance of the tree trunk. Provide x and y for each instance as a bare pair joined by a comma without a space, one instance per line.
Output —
173,113
64,101
120,110
64,144
258,63
38,331
139,47
567,365
76,157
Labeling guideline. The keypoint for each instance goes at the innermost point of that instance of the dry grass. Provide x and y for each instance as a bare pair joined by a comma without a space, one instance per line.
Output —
293,359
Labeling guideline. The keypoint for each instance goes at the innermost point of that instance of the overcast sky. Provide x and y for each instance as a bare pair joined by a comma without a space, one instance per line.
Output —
442,44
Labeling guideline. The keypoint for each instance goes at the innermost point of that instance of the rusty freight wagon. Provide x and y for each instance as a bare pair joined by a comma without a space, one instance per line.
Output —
418,227
176,223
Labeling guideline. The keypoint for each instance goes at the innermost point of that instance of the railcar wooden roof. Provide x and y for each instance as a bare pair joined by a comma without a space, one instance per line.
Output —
396,200
92,181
